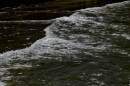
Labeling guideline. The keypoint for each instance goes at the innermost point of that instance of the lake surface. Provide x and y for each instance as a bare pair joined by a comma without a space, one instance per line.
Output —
86,47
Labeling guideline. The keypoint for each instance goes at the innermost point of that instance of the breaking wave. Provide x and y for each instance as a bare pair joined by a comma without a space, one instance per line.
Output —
92,34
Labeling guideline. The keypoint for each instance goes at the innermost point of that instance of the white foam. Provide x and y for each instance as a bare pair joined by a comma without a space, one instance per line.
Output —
126,36
52,40
2,84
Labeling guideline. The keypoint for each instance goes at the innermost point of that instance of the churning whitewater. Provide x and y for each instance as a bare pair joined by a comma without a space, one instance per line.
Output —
98,35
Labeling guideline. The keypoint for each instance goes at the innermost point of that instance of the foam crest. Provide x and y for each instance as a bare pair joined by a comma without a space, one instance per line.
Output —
68,34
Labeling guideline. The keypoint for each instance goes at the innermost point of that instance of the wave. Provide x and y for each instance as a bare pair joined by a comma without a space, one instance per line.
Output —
91,33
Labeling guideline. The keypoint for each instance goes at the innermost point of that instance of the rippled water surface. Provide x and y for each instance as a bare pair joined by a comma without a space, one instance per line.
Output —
89,48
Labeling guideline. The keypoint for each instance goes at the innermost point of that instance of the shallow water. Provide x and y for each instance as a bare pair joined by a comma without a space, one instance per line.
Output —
90,47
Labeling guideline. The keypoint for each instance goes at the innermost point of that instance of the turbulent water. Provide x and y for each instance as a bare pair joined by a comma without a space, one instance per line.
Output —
89,48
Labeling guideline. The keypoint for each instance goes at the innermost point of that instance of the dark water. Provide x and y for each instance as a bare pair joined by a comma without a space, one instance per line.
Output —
13,35
13,3
88,48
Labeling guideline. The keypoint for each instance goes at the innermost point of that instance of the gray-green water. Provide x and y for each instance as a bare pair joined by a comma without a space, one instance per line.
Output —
89,48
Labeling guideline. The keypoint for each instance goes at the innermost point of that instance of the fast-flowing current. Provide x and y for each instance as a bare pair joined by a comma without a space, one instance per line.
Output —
89,48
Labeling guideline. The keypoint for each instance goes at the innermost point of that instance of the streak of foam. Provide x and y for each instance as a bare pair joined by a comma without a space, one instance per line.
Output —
30,21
